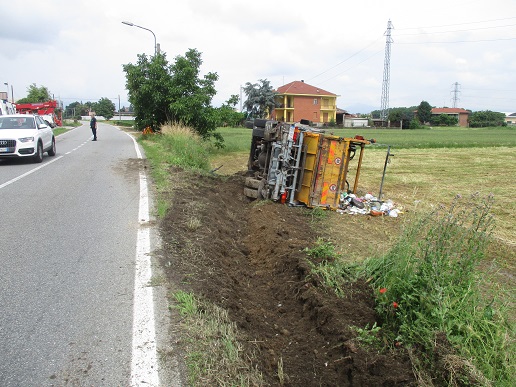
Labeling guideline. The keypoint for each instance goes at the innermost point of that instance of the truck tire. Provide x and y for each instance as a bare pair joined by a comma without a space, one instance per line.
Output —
252,183
251,193
259,123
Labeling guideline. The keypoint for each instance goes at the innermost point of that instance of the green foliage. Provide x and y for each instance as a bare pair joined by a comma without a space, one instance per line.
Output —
323,250
486,118
415,124
424,112
261,99
228,116
444,120
186,303
401,114
172,93
328,267
36,94
105,108
428,285
369,336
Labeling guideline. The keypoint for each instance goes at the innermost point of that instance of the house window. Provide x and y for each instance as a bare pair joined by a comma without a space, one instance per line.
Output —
316,101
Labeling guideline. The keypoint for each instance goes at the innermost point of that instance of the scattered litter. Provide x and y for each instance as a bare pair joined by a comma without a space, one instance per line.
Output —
367,205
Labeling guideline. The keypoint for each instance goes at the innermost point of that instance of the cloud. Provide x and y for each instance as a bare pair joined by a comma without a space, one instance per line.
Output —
77,49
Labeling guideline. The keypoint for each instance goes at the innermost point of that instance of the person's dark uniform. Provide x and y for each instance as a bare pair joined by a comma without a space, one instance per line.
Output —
93,126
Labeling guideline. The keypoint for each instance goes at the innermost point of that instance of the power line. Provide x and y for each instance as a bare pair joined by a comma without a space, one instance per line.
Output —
345,60
460,41
349,68
452,31
457,24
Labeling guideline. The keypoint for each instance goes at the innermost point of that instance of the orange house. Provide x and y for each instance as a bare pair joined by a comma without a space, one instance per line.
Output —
298,100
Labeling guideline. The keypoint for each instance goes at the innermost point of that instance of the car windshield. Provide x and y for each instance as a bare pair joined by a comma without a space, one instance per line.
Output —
17,123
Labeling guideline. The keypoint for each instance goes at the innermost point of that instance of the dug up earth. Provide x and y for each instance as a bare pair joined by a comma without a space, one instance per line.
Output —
249,258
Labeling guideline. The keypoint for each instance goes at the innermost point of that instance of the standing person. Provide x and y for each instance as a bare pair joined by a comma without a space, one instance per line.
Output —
93,126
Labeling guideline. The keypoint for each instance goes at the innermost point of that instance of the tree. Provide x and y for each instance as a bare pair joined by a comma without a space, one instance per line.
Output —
402,114
261,99
424,112
192,95
486,118
228,116
444,120
105,107
161,93
36,94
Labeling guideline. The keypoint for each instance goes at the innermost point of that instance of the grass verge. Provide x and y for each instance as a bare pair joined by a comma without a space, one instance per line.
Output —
175,146
212,345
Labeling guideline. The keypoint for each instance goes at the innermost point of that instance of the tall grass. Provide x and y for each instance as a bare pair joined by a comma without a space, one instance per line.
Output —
176,146
428,285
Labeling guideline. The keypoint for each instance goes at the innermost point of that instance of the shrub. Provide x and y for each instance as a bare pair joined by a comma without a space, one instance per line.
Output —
428,287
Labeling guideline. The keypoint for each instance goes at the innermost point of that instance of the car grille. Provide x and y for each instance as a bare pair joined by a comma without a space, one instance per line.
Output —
8,145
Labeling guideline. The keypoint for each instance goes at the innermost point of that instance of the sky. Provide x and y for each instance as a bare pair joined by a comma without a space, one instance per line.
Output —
458,53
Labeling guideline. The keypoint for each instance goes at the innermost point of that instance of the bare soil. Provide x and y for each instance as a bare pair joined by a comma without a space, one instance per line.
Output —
249,259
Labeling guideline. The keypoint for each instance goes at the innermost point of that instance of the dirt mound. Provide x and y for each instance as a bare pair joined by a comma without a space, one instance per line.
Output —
248,258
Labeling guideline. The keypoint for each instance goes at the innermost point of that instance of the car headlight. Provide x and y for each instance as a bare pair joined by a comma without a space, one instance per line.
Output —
26,139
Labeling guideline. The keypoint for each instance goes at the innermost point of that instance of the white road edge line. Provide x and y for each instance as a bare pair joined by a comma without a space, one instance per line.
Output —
144,363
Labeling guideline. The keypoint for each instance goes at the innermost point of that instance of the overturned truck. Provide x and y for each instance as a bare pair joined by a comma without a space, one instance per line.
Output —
301,165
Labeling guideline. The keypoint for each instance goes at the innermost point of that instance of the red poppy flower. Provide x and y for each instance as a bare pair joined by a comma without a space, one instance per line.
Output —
383,290
395,304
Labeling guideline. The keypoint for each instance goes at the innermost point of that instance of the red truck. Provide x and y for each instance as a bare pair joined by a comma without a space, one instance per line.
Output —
49,111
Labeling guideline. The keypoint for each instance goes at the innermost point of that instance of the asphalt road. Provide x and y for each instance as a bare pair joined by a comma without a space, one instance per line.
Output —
68,238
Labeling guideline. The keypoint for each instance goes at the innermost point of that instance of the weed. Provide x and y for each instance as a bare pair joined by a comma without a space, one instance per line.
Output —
329,267
323,250
281,373
368,336
185,303
429,285
193,223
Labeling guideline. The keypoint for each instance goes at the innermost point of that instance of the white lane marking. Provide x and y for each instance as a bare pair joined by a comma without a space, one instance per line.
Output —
144,364
41,166
29,172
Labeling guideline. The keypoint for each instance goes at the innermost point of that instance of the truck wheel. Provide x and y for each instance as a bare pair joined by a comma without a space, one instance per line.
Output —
260,123
252,183
251,193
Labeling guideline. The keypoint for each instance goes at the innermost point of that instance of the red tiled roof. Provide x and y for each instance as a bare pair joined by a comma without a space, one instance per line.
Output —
300,87
449,110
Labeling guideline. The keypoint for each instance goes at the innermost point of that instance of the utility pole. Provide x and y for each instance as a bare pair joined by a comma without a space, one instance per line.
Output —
455,92
386,73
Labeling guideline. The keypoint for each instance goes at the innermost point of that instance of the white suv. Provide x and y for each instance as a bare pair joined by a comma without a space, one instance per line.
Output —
24,135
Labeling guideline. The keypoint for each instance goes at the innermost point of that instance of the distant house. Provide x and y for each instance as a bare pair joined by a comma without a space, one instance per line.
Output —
460,114
298,100
348,120
510,119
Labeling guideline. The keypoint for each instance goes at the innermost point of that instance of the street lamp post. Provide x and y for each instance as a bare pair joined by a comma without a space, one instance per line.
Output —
7,84
143,28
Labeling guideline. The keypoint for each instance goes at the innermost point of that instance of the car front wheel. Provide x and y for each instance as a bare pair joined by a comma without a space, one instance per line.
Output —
38,157
52,150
